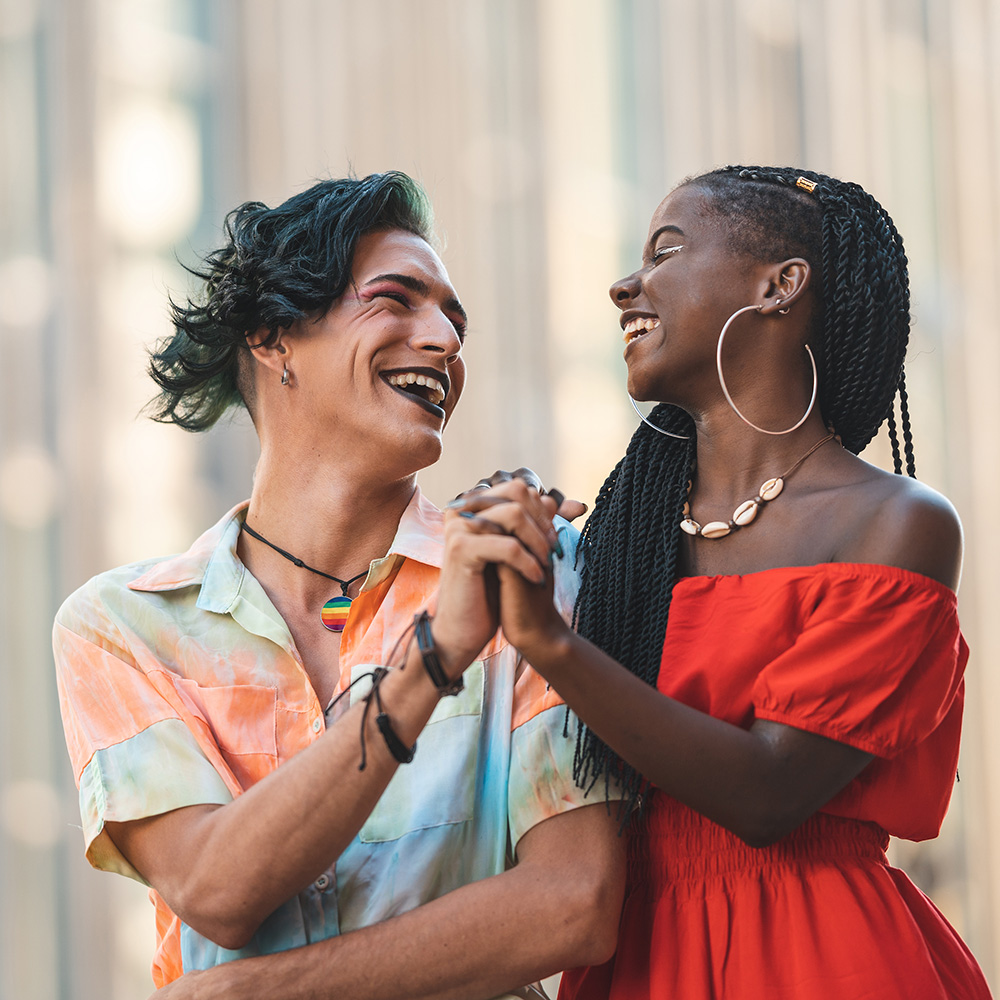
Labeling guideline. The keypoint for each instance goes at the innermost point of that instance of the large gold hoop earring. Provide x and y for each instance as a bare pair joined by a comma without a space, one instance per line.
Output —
725,388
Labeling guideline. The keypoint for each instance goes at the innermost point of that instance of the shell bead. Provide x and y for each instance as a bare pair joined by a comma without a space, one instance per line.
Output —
716,529
772,488
746,512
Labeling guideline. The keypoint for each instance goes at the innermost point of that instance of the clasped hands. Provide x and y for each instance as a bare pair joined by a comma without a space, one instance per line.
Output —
499,551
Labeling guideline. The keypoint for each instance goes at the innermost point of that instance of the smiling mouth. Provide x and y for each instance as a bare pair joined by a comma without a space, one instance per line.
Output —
639,327
421,386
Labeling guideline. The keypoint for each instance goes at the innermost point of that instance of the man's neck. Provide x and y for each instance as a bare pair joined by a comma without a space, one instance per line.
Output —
332,520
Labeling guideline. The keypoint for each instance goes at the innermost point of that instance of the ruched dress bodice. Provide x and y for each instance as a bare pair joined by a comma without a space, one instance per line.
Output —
867,655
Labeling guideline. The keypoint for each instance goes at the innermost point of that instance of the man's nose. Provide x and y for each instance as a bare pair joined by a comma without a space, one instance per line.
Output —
438,335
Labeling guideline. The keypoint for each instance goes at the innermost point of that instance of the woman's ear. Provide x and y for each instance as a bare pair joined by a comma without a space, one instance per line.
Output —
785,285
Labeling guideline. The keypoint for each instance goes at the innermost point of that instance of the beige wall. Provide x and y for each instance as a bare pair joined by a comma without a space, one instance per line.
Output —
545,132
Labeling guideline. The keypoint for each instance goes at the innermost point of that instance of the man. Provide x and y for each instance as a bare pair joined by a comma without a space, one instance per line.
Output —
222,753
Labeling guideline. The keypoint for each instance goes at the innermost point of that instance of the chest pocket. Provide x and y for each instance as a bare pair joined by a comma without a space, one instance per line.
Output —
241,720
438,787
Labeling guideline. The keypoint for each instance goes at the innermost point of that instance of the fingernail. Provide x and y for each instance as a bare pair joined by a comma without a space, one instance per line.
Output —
557,496
457,502
557,548
466,513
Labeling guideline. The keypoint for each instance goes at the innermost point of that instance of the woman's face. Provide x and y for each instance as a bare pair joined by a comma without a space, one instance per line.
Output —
674,306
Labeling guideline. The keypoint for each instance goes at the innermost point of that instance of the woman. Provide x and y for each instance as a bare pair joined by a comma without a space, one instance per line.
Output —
793,606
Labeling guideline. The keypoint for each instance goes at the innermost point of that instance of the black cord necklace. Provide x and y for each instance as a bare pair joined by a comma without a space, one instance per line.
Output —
335,611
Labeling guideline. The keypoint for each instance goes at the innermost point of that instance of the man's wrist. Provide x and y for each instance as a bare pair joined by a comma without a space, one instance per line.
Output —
434,659
452,657
453,651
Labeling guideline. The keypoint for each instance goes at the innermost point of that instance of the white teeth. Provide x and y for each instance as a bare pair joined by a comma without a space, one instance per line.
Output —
638,326
403,379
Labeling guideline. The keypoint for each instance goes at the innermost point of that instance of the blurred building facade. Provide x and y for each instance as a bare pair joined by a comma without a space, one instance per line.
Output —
545,131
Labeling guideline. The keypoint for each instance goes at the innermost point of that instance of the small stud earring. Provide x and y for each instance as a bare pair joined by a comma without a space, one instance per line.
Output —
284,375
784,312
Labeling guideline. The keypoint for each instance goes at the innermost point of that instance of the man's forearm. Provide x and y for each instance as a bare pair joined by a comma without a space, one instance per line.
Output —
557,910
217,867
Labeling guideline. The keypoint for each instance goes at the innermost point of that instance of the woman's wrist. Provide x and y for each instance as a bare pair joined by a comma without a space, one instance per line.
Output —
548,649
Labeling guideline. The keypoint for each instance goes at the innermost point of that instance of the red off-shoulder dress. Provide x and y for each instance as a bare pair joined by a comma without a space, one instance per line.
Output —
867,655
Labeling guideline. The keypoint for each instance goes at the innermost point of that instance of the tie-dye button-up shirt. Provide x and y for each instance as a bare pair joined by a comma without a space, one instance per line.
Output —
180,685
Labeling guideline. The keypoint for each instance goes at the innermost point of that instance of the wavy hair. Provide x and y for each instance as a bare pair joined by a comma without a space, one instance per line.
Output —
278,266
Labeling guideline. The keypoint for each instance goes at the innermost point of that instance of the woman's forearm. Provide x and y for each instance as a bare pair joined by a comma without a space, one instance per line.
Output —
759,783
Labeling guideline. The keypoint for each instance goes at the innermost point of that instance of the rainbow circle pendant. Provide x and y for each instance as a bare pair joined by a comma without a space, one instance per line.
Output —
335,612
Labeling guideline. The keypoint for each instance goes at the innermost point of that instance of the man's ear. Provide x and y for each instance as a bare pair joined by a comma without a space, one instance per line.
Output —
273,354
785,284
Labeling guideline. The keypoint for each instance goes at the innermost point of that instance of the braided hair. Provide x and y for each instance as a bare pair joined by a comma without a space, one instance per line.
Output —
630,544
278,266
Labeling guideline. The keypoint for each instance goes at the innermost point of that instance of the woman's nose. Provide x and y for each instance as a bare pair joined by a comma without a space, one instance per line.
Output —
624,290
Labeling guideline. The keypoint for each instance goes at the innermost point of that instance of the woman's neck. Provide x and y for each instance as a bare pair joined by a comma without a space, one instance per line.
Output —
734,459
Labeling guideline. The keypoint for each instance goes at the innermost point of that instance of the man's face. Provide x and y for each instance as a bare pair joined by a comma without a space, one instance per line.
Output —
382,370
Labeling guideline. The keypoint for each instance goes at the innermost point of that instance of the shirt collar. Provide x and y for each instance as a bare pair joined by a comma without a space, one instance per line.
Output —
420,534
212,562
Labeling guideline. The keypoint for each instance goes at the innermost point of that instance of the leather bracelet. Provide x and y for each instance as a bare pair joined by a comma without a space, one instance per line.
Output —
429,656
399,750
397,747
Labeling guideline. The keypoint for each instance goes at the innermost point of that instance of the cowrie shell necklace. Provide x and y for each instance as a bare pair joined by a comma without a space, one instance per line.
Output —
747,511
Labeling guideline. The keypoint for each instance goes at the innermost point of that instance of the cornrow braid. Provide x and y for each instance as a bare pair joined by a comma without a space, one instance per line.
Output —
630,544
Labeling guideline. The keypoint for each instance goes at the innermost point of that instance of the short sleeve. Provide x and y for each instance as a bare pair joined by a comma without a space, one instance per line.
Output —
878,663
133,754
541,781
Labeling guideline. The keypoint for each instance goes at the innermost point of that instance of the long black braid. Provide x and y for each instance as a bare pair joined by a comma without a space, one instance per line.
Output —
630,543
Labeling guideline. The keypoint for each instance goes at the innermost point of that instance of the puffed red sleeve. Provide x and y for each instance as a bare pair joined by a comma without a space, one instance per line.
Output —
878,664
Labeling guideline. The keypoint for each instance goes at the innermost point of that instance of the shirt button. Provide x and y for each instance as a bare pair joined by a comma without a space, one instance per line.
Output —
322,882
317,725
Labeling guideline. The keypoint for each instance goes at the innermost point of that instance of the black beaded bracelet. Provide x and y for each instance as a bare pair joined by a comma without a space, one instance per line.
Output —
429,656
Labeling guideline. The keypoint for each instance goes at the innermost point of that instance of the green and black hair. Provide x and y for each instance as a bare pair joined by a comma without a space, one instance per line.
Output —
278,266
630,543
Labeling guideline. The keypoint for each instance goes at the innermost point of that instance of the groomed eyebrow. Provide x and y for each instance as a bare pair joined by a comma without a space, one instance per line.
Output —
421,288
651,242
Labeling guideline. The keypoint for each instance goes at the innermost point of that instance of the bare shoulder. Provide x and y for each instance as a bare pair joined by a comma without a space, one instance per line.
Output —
906,524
